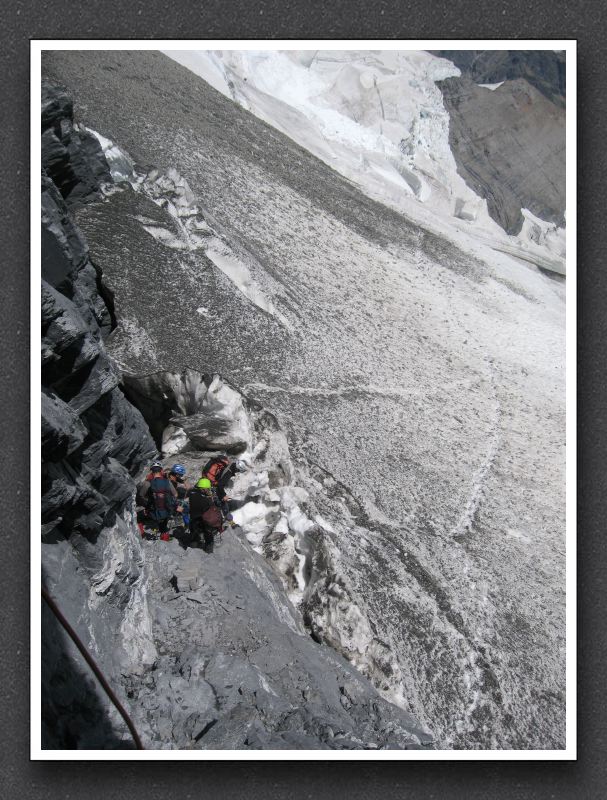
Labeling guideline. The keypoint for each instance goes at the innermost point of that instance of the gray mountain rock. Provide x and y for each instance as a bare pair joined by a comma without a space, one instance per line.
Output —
543,69
509,145
93,444
237,671
71,157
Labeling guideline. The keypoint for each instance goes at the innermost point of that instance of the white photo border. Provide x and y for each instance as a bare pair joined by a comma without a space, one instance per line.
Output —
37,46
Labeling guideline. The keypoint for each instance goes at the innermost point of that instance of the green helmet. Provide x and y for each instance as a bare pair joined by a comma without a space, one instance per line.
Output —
203,483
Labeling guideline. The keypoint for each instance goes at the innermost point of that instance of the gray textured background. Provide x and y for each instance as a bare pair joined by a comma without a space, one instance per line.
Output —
559,19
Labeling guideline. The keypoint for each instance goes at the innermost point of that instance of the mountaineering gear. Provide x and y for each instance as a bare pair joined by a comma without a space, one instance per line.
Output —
178,480
155,468
205,513
241,466
220,472
214,468
160,498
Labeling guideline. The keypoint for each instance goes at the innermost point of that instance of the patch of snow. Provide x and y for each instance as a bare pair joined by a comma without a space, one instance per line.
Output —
120,164
492,86
254,519
323,523
238,272
516,534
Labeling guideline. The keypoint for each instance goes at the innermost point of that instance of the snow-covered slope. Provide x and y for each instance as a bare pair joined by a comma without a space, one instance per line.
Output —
378,118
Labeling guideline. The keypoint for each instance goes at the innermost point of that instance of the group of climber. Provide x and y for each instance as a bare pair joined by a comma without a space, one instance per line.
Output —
200,511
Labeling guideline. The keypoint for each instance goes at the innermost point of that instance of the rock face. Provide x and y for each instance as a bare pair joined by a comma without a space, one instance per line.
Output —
509,145
236,669
88,427
72,158
543,69
94,442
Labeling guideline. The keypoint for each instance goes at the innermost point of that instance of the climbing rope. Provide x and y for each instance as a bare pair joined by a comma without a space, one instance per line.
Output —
90,661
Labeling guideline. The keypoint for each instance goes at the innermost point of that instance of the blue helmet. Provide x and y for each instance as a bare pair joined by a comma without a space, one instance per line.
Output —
178,469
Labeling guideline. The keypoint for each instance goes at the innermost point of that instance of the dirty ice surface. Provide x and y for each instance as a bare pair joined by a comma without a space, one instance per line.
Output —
377,118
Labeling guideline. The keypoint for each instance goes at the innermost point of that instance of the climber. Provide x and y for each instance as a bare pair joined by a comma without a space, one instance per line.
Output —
206,515
177,477
160,498
220,471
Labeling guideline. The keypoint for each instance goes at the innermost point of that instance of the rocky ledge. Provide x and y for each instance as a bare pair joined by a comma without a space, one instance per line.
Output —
236,669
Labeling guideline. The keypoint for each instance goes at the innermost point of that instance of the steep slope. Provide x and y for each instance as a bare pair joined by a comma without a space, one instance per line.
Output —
94,442
190,644
420,389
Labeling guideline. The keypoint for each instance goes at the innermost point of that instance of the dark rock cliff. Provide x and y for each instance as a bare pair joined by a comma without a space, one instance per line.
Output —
88,427
94,443
543,69
509,146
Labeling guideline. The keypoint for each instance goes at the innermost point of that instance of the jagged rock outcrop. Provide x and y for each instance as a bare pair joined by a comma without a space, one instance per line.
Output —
94,443
509,146
71,157
88,427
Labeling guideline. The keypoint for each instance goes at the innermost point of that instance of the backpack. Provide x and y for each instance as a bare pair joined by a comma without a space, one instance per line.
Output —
203,507
214,467
160,498
213,517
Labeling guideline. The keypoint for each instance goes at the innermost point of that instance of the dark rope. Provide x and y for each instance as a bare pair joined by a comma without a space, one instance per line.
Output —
90,661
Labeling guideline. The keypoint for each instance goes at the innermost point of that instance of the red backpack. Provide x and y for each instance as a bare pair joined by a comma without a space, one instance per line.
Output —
214,467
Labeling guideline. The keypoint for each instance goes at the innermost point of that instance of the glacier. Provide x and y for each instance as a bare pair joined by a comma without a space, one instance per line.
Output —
378,118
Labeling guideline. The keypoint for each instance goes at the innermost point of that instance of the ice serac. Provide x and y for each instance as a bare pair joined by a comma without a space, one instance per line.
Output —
509,146
420,391
378,118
